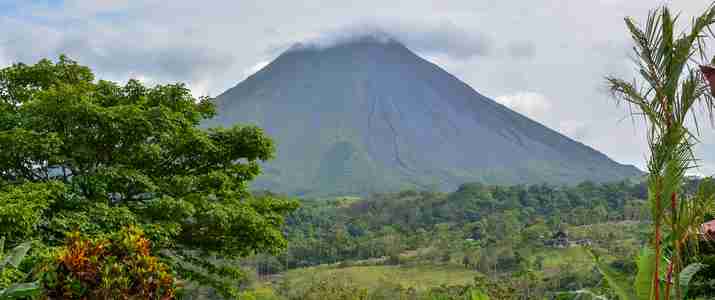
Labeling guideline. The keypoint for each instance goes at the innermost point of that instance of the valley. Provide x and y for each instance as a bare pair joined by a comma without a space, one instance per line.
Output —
418,243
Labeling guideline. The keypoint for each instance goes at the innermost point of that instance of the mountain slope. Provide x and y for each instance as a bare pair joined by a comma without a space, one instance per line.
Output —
372,116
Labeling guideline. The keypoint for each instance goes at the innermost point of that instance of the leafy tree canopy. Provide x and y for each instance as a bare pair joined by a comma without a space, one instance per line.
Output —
95,156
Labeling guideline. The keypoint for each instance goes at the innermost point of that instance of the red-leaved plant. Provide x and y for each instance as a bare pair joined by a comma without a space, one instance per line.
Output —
119,267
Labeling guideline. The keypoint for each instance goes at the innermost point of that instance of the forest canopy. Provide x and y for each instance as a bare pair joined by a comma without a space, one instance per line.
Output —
94,156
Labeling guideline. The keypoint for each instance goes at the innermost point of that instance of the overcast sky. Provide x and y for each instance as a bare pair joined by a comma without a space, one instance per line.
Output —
544,58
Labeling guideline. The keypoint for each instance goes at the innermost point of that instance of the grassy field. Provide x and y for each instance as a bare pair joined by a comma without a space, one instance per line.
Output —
558,268
575,257
425,276
418,277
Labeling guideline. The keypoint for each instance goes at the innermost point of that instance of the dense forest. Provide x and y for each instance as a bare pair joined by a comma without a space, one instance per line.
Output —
324,231
527,242
501,232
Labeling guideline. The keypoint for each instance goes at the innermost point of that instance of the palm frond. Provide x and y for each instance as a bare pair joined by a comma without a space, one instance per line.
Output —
668,93
615,279
630,93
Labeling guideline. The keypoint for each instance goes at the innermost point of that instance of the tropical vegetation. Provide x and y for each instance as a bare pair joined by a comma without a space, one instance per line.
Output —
121,191
670,89
94,157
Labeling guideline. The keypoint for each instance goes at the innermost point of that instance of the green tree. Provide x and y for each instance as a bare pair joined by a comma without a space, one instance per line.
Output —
535,233
599,214
95,156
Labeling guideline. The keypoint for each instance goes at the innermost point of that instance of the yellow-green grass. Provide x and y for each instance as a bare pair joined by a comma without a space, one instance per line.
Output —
418,277
575,257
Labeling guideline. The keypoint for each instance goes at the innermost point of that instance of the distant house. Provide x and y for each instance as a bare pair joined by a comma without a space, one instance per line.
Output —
584,242
560,239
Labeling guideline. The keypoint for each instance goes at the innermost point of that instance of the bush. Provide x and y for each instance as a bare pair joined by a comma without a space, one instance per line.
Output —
258,294
393,260
387,290
346,264
334,288
11,276
118,267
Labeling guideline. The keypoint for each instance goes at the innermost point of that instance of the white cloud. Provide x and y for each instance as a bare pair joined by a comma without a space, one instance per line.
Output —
531,104
575,129
201,88
521,49
146,80
426,36
562,49
255,68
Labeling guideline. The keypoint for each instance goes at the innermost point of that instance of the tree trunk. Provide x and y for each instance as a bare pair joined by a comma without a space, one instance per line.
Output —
676,246
668,283
657,216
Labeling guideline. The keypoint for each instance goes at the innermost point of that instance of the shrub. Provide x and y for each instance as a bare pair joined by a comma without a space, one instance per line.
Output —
387,290
393,260
118,267
334,288
10,275
258,294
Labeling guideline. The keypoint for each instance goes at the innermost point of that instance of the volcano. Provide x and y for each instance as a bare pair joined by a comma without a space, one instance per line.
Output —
369,115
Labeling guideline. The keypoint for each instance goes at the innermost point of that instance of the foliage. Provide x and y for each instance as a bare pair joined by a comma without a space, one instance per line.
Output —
494,218
118,267
22,208
9,273
258,294
687,275
96,156
338,286
385,243
493,288
669,90
332,288
702,282
641,288
457,292
438,238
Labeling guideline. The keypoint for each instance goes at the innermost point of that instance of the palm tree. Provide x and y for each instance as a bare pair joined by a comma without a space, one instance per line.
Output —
669,89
